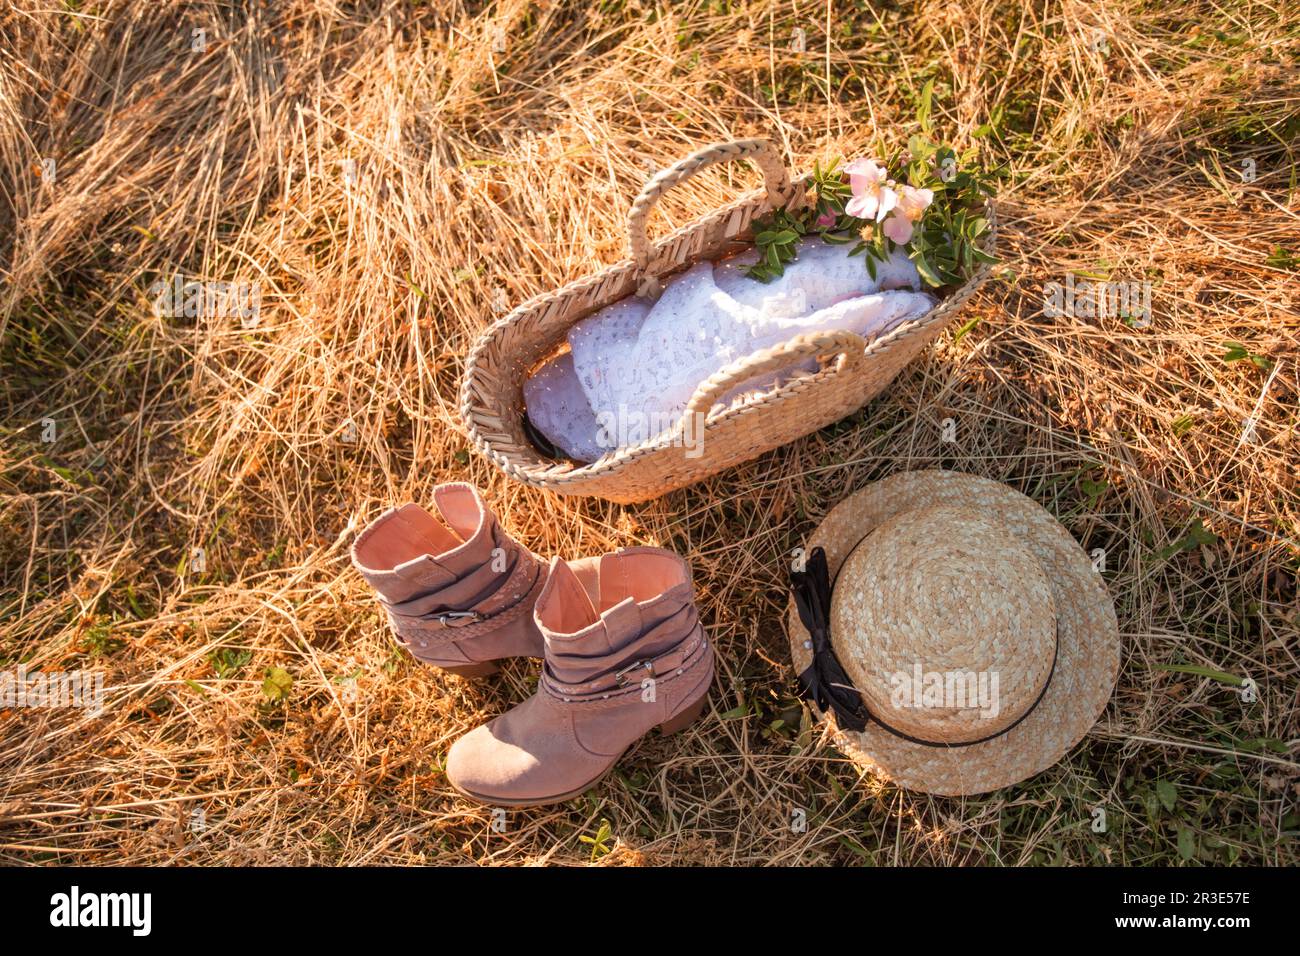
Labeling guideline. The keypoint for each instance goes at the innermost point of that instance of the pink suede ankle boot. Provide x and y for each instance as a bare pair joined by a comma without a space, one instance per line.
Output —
459,591
634,658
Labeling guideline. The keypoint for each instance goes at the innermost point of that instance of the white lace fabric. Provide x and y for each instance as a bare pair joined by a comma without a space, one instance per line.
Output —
637,364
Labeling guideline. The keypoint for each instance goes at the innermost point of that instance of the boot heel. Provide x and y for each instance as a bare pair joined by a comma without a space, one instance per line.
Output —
685,718
473,670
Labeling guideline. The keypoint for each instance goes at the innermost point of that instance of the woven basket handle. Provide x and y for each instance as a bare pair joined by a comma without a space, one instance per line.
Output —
775,179
847,347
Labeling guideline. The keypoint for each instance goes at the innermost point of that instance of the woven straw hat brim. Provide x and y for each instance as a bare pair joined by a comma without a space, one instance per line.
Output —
1088,654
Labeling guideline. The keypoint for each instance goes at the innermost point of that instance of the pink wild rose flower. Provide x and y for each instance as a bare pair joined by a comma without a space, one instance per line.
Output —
872,196
909,209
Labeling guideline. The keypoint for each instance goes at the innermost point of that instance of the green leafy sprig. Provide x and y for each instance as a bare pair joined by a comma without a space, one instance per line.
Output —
945,243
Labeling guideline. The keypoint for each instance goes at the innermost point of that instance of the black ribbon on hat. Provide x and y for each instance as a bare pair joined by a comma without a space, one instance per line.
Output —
824,681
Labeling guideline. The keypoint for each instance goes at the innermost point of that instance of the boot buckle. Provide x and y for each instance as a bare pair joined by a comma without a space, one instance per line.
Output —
446,617
620,676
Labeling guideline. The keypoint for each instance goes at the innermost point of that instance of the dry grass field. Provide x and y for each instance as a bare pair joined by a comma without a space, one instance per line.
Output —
392,175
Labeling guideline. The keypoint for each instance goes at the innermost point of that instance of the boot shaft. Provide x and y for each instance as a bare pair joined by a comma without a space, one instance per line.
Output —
640,606
457,588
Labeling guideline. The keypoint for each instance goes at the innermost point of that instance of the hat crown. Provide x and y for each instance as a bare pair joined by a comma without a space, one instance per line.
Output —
945,623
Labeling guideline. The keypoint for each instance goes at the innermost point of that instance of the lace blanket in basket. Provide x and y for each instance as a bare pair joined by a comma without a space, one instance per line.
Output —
632,367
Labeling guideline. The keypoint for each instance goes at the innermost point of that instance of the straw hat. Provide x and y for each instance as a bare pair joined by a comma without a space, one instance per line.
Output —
980,642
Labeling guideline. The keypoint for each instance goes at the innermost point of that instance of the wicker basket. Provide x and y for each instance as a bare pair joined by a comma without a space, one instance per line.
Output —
851,372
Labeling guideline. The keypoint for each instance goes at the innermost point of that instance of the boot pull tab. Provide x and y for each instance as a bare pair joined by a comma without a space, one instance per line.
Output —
461,509
425,571
622,623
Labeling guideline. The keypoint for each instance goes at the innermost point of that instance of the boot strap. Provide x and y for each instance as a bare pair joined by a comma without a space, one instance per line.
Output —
522,582
626,681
